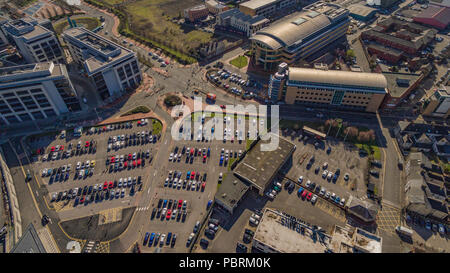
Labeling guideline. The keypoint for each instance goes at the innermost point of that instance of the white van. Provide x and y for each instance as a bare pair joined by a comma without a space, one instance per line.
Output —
404,231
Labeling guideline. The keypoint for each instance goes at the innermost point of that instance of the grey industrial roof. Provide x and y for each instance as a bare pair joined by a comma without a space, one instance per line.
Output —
29,242
231,190
259,167
286,32
363,210
347,78
360,10
396,90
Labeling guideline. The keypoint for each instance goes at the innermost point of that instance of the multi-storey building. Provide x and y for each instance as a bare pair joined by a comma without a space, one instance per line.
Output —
266,8
438,105
242,22
35,91
215,7
196,13
112,68
299,35
332,89
35,40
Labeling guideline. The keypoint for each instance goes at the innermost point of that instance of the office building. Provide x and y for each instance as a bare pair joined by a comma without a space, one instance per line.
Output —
215,7
328,88
299,35
35,91
112,68
234,19
438,105
34,39
266,8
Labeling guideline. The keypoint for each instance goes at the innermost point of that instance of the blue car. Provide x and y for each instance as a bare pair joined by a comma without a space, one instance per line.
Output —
335,177
57,177
209,204
337,200
147,235
300,191
209,152
49,172
165,203
66,177
169,236
152,237
51,179
188,175
221,161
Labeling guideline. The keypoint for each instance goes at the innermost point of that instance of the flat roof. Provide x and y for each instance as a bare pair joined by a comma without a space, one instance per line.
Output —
352,240
259,167
395,80
346,78
438,13
360,10
231,190
272,232
256,4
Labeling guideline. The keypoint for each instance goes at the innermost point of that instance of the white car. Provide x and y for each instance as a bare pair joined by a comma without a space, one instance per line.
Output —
78,165
330,175
342,202
325,165
171,157
308,183
322,191
300,179
327,195
324,174
314,199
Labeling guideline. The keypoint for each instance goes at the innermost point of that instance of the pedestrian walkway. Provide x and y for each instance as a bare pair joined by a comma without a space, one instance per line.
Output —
47,240
143,208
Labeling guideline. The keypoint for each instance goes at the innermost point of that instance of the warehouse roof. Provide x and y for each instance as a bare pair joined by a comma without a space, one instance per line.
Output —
360,10
347,78
438,13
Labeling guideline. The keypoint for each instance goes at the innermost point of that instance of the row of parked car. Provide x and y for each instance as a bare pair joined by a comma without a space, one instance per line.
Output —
123,141
57,152
193,181
170,209
111,127
190,153
322,191
154,238
127,162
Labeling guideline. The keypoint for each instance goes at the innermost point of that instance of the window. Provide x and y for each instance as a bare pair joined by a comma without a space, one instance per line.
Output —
50,112
38,115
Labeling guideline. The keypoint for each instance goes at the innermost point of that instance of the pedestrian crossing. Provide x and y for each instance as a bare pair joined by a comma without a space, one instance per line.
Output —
143,208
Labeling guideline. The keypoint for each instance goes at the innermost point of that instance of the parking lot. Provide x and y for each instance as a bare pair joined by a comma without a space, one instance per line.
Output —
86,180
173,183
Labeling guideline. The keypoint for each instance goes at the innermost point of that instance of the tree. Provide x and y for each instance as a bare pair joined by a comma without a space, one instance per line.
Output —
351,131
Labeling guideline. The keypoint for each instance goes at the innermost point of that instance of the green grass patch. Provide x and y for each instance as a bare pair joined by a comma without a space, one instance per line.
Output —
23,3
371,150
248,143
137,110
240,61
157,126
230,162
88,22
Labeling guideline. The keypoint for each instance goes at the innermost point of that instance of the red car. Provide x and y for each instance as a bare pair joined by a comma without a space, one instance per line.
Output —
204,159
61,148
192,175
169,212
105,185
134,163
82,199
129,156
113,159
111,184
192,151
203,186
87,144
179,203
139,162
199,152
52,149
309,196
125,164
304,194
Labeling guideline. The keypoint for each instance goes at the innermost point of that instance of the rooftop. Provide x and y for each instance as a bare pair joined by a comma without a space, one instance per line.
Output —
256,4
360,10
273,231
259,167
99,51
231,190
355,240
399,83
438,13
300,25
29,242
346,78
13,74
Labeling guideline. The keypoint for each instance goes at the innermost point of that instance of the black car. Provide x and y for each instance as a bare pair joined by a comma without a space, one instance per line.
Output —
291,187
247,238
174,239
45,220
241,247
178,217
175,204
170,203
249,232
85,190
210,233
204,243
158,214
316,170
184,216
153,213
287,184
160,203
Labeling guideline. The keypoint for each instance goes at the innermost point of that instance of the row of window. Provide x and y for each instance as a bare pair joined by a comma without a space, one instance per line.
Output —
27,117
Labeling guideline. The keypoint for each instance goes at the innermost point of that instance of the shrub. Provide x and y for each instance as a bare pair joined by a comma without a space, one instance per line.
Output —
172,100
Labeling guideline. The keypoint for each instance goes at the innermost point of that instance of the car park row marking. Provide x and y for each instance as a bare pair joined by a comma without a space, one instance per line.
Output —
331,209
142,208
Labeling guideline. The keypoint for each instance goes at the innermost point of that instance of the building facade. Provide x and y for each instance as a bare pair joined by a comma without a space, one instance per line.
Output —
438,105
266,8
35,91
332,88
299,35
112,68
35,42
242,22
196,13
215,7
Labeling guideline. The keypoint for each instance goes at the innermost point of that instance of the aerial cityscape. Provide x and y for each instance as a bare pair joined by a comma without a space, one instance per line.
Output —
224,126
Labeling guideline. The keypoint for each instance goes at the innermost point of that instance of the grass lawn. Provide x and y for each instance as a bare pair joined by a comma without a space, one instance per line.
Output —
367,148
230,162
149,18
248,143
157,126
88,22
139,109
239,62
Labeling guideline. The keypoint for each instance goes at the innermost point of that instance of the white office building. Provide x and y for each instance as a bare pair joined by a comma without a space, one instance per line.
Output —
34,40
35,91
235,19
112,67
